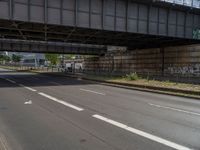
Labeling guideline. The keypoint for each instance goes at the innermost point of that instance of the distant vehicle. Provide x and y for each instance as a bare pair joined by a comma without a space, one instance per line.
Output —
79,66
68,67
72,66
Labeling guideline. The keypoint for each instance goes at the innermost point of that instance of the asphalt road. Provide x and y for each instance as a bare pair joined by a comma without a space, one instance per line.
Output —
39,112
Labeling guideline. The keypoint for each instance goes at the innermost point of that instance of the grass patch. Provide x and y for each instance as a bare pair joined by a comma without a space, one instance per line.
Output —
132,77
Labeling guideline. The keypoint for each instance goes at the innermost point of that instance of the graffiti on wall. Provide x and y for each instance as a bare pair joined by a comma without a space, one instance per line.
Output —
193,69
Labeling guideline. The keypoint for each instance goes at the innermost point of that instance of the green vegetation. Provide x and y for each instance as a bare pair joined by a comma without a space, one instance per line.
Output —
144,82
69,56
16,58
132,76
4,58
52,58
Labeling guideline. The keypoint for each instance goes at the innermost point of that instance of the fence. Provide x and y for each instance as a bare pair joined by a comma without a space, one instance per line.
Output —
173,63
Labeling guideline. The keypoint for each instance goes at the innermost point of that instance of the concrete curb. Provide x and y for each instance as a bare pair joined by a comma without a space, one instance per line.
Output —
158,90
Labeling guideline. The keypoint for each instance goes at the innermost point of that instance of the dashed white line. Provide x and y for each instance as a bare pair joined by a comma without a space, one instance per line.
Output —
142,133
61,101
10,80
28,102
93,92
175,109
31,89
28,88
35,78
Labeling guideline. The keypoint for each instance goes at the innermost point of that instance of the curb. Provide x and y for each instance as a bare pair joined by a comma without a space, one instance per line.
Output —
152,89
143,88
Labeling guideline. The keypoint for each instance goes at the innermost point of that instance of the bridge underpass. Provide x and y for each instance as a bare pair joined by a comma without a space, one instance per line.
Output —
150,30
136,120
132,23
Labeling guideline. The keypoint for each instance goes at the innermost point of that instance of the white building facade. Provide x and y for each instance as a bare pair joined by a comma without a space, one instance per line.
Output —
190,3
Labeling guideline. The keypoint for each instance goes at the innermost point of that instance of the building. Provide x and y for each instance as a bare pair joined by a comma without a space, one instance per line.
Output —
32,59
28,59
190,3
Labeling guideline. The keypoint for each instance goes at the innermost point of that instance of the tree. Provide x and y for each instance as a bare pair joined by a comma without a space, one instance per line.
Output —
69,56
53,58
16,58
1,58
4,58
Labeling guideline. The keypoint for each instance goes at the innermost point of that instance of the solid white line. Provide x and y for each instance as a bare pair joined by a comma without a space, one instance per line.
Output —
93,92
11,81
61,102
175,109
142,133
28,88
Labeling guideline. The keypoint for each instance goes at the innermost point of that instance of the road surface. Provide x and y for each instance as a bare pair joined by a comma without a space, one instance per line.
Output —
40,112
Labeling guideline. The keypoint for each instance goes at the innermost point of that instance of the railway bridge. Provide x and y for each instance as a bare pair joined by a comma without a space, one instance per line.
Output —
130,23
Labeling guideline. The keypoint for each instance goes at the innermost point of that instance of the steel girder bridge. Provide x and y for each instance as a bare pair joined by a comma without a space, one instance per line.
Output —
17,45
131,23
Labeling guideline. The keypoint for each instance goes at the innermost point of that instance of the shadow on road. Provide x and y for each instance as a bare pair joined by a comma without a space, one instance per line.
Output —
36,80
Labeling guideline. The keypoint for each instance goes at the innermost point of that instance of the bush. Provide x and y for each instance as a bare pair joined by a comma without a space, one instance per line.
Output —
132,76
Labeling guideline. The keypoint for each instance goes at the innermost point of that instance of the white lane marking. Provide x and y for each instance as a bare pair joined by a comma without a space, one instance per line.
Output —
142,133
61,102
93,92
11,81
28,102
175,109
55,83
28,88
35,78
